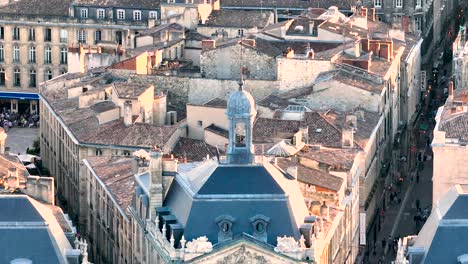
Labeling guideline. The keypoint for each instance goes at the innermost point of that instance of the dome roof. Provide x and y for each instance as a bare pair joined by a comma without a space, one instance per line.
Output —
241,103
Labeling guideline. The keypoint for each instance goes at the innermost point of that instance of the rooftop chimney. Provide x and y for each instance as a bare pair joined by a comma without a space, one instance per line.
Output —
347,137
128,113
155,184
325,211
371,15
208,44
450,91
249,42
364,12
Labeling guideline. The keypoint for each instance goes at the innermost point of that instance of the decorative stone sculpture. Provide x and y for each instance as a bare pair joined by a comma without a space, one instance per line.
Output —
199,245
287,245
242,255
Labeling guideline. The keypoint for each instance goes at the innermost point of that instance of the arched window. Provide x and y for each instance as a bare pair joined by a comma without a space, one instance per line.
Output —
48,55
63,55
32,78
2,76
225,223
48,74
32,54
17,77
260,225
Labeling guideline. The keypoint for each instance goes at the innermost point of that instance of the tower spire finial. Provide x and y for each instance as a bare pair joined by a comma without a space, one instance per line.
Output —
241,81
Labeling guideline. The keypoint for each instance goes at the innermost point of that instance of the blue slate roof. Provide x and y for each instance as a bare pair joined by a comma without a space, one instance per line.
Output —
31,243
240,180
449,242
18,209
459,209
241,192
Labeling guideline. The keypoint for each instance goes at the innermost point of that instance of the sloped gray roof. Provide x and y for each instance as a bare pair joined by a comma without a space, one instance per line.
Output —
18,209
209,191
30,243
448,244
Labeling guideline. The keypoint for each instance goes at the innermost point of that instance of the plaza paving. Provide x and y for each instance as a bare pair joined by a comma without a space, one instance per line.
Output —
19,139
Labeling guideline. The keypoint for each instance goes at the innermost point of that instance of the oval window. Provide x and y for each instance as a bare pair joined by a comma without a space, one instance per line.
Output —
260,227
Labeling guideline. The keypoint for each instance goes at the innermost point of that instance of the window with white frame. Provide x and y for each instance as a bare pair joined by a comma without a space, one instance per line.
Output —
63,35
377,3
48,55
16,33
153,14
2,76
136,15
32,34
101,13
32,54
16,53
32,78
418,3
81,36
120,14
84,13
48,74
63,55
97,36
17,77
398,3
2,53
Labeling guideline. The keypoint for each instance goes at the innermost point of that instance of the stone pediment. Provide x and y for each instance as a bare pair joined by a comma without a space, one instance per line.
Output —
243,251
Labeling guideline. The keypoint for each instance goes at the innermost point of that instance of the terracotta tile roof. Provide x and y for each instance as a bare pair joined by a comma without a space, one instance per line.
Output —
129,90
335,157
312,176
287,4
103,106
172,27
60,217
324,129
268,130
238,18
84,124
117,175
194,35
221,103
138,4
191,150
454,118
274,102
354,80
36,7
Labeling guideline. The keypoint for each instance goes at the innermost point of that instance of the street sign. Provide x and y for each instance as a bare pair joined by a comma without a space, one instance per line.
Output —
423,81
362,228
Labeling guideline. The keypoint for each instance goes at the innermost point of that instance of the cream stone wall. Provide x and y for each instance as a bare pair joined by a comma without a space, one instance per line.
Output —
208,116
216,140
340,96
300,72
450,162
107,29
225,63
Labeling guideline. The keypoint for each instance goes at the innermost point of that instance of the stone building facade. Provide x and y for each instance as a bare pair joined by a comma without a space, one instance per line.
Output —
108,181
86,120
34,40
460,59
449,144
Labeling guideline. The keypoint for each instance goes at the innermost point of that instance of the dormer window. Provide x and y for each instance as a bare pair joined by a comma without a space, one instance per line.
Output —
137,15
260,224
225,223
98,152
120,14
153,14
100,13
84,12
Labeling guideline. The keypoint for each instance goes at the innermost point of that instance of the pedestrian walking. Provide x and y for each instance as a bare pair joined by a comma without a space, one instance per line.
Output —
384,244
417,177
418,204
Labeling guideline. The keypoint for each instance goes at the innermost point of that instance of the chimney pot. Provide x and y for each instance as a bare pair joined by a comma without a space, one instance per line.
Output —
450,90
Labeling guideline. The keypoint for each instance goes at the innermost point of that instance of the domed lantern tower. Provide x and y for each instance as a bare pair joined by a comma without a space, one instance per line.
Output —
241,114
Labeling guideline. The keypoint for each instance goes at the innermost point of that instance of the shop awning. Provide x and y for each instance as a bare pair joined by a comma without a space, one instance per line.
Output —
20,96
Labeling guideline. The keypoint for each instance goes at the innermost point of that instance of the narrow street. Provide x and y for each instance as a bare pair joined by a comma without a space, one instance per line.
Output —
402,216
